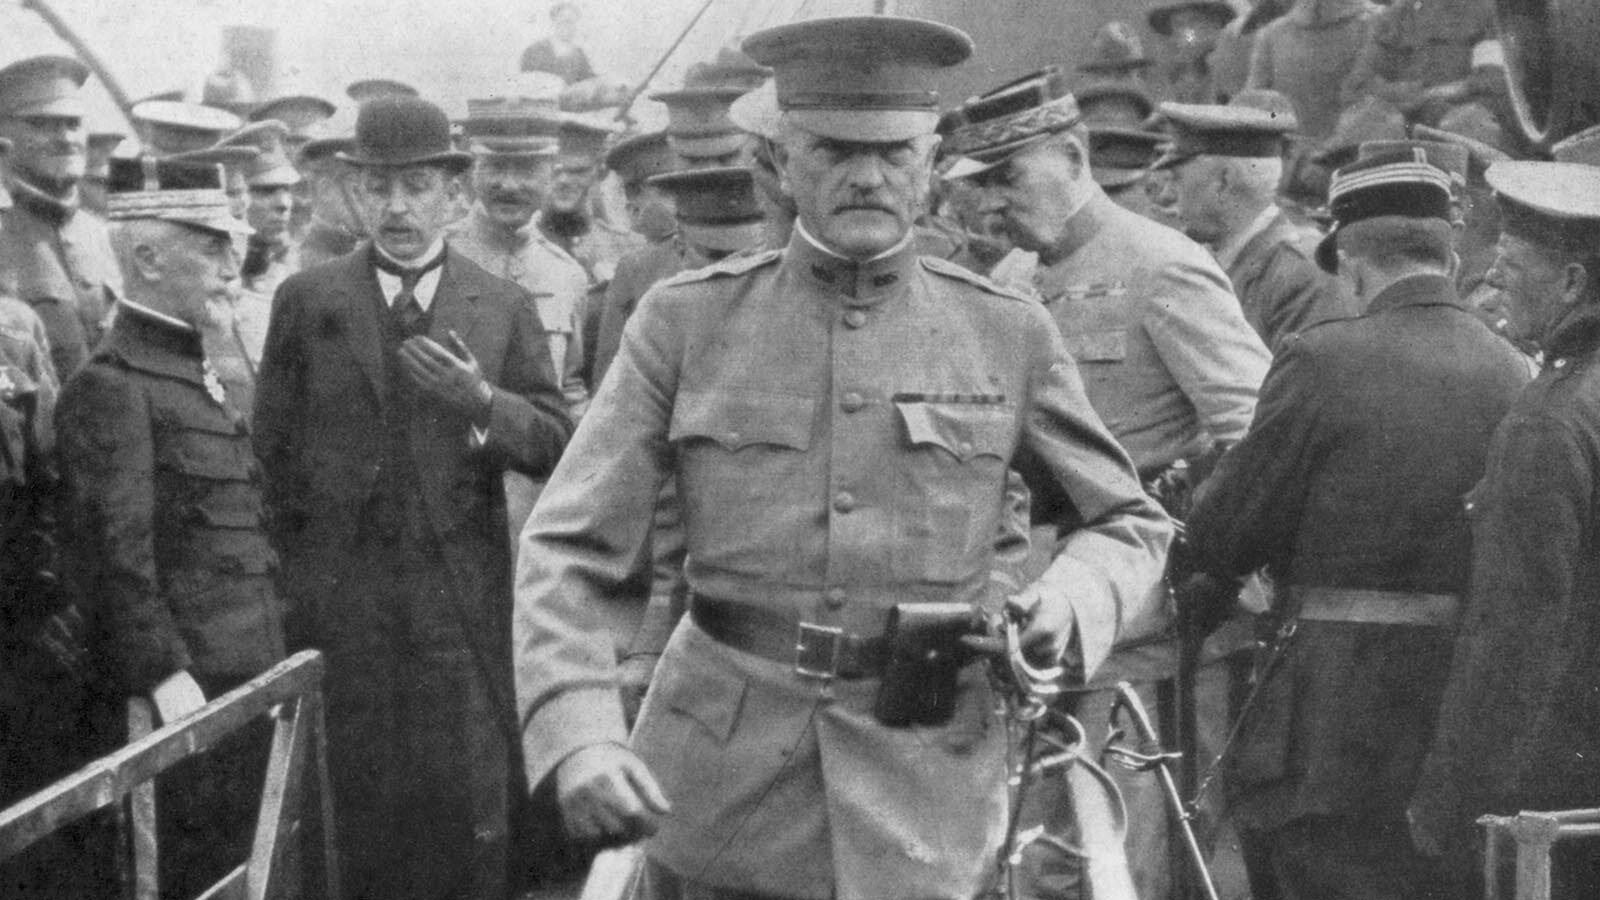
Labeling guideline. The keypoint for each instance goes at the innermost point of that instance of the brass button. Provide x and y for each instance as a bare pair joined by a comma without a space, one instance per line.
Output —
855,318
844,502
835,598
852,402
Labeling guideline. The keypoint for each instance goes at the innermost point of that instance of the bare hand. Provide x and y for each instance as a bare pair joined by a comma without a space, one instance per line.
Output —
453,379
1047,632
607,795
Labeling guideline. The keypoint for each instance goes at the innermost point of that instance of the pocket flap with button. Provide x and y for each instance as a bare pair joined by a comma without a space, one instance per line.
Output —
737,419
966,430
1098,346
208,454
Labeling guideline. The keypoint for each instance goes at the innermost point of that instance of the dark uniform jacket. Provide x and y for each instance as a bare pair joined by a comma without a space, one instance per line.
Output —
58,259
636,273
165,510
1520,724
1279,285
1369,434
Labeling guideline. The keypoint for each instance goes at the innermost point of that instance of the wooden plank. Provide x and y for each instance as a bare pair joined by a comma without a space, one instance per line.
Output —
280,795
141,818
103,782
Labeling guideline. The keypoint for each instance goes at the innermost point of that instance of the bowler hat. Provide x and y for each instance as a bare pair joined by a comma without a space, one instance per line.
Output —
392,132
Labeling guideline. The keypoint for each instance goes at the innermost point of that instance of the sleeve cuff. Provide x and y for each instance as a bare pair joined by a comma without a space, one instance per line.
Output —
567,723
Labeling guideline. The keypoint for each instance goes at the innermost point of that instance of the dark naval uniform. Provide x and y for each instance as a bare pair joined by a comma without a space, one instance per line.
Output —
1349,488
170,550
840,433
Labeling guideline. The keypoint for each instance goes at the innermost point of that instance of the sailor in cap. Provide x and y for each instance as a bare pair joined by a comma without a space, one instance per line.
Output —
1510,734
1227,163
839,416
165,506
1173,365
1349,489
54,257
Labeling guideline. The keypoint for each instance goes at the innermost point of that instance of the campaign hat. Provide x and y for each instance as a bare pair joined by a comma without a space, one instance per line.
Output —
1114,102
1393,185
1554,204
986,130
641,156
174,126
188,193
1115,49
46,85
1161,17
398,131
860,78
1119,157
716,207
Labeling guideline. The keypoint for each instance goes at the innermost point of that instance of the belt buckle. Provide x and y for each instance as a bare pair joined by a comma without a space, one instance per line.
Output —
817,649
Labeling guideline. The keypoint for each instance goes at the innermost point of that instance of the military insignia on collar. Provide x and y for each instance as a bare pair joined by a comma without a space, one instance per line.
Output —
214,389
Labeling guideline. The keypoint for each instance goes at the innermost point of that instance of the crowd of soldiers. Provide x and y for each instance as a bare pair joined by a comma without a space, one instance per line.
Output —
614,520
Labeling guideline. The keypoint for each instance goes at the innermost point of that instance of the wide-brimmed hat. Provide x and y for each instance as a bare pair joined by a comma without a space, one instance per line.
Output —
1119,157
1160,18
716,207
187,193
860,78
641,156
399,131
1115,49
174,126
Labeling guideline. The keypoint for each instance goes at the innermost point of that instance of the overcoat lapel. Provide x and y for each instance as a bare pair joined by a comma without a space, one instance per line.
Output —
455,304
359,303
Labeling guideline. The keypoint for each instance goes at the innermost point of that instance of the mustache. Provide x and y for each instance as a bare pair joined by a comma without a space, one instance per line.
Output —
509,196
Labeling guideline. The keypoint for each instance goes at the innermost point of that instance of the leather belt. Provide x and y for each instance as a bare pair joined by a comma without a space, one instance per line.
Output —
1334,604
815,651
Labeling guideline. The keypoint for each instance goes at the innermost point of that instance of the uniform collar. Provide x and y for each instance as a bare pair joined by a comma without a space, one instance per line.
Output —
862,283
152,342
1416,290
489,232
1227,253
52,209
1083,225
1579,335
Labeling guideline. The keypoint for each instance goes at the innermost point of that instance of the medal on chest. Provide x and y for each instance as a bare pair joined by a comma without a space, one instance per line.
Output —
213,384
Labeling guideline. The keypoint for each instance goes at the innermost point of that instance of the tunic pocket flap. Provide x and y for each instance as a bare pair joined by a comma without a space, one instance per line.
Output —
737,419
208,454
706,693
965,430
1097,346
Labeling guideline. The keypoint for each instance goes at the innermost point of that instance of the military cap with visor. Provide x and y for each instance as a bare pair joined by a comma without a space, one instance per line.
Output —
859,78
988,130
1114,102
1202,129
174,126
716,207
513,126
1398,190
401,131
271,167
186,193
43,86
582,138
641,156
305,116
1120,157
1583,147
1552,204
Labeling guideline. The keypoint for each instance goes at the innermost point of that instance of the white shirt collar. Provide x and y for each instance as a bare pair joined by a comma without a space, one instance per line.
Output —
800,227
427,285
1227,252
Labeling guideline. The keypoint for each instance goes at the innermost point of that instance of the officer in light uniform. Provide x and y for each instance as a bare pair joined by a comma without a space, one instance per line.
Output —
840,416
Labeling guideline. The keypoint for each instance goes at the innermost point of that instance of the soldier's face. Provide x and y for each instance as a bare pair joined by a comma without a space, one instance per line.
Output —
407,209
51,151
269,211
197,267
858,198
1035,193
511,189
569,186
1533,288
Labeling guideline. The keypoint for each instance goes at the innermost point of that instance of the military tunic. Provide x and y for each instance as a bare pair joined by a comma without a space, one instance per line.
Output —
840,435
1276,278
1519,727
58,259
1349,487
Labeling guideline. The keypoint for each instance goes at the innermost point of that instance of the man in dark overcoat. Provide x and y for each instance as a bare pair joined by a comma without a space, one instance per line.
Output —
1348,488
165,515
1519,728
398,384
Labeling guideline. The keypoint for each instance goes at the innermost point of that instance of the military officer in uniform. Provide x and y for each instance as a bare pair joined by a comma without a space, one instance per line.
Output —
1514,731
635,160
1349,488
567,217
272,180
334,227
1169,363
840,416
168,529
53,256
1227,163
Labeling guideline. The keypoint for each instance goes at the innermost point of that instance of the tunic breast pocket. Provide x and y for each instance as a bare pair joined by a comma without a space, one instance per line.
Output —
1098,346
947,512
739,454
